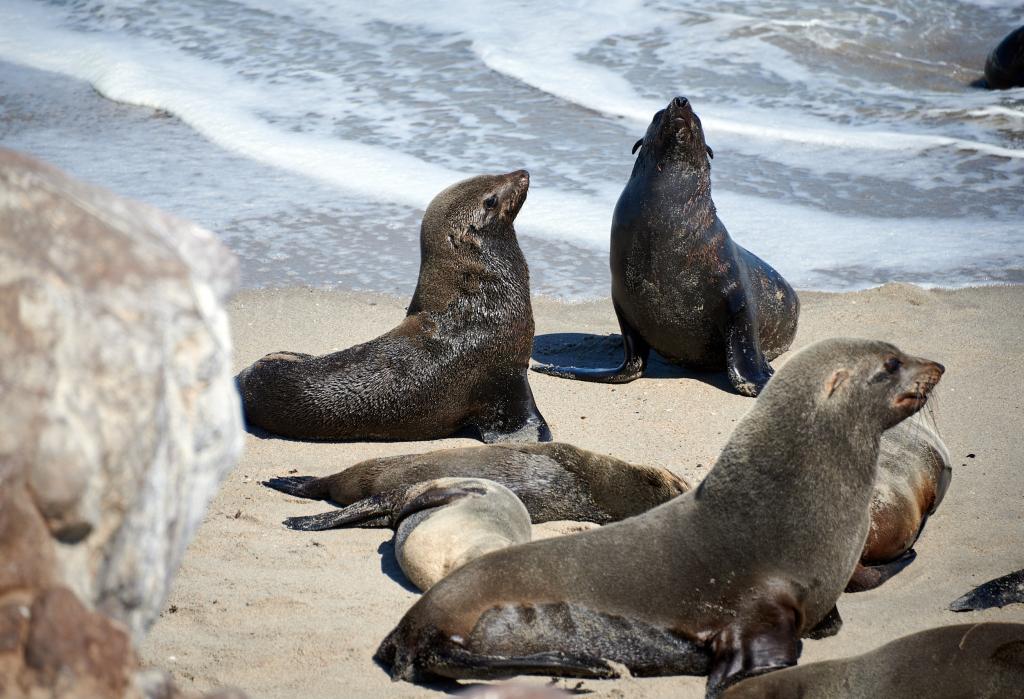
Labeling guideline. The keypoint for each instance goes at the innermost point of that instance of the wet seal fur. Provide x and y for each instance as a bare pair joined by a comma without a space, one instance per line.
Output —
459,359
1004,67
723,580
1004,590
914,472
679,282
447,522
555,481
982,661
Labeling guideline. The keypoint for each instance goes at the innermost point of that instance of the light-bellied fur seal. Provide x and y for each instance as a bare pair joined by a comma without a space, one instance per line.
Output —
981,661
724,579
679,282
555,481
447,522
459,359
1004,67
1008,589
914,472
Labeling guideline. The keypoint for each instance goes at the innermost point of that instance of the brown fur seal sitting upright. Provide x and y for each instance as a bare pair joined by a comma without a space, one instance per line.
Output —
459,359
981,661
724,579
913,474
555,481
679,282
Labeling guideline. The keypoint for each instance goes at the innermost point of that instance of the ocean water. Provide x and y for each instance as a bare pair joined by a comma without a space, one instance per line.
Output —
310,134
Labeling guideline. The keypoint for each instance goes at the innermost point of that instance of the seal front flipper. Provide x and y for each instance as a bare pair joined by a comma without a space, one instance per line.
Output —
764,636
634,363
512,415
868,577
1008,589
377,511
748,370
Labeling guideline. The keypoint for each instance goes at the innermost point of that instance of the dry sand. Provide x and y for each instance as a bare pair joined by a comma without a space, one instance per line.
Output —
281,613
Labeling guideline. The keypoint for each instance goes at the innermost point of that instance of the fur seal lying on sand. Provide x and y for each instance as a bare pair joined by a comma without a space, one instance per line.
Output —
447,522
913,475
459,359
1004,67
951,662
1008,589
724,579
679,282
555,481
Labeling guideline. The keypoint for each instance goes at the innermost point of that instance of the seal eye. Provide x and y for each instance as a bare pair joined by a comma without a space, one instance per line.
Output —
892,365
490,202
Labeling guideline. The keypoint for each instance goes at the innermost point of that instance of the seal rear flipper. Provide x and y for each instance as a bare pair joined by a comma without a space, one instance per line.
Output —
634,363
1008,589
513,415
377,511
438,497
299,486
748,369
869,577
765,636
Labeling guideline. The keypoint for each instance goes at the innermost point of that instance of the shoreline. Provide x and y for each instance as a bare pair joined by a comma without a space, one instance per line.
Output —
282,613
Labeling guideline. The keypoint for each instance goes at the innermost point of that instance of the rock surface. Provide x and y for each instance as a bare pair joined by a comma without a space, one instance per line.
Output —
120,414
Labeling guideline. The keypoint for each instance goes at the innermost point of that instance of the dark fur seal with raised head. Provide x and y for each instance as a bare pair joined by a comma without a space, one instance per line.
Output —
555,482
459,359
980,661
724,580
679,282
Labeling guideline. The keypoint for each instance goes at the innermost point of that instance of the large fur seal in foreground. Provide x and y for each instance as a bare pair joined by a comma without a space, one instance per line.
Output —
724,579
981,661
555,482
914,473
679,282
459,359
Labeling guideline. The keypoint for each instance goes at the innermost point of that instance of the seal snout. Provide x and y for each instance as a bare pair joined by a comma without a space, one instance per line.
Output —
923,381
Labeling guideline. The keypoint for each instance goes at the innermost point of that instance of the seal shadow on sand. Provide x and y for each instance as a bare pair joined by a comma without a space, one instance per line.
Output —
583,350
389,566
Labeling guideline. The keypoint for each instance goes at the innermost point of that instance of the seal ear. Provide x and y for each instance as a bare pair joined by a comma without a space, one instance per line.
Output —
637,145
711,153
837,378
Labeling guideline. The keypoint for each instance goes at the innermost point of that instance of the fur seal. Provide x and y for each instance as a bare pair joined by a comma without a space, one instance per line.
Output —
914,472
555,481
447,522
950,662
459,359
1008,589
724,579
679,282
1004,67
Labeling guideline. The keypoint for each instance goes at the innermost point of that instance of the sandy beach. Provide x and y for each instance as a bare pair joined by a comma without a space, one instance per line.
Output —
282,613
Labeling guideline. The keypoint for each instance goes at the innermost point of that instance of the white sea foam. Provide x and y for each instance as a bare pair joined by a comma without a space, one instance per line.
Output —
836,144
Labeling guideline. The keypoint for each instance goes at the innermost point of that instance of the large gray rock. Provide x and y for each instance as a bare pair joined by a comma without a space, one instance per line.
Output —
120,416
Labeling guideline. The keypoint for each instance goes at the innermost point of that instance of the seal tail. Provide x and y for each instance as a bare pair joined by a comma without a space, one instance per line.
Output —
300,486
372,512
